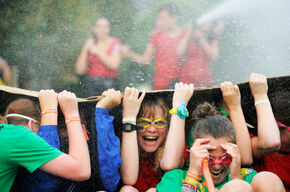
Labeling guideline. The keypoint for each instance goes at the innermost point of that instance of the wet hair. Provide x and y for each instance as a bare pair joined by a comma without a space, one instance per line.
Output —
148,106
171,9
209,122
25,107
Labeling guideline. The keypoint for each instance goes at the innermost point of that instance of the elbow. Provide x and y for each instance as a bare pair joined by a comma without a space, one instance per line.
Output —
83,175
129,176
81,172
169,165
127,180
79,71
273,144
115,67
247,161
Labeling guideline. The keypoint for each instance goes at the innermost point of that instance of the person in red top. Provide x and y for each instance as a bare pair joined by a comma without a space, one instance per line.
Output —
163,47
199,48
151,148
271,146
100,58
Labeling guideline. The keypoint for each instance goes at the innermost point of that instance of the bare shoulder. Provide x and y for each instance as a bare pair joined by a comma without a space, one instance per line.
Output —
90,42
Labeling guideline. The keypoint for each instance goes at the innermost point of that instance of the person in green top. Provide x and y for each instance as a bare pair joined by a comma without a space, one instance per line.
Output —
216,141
21,147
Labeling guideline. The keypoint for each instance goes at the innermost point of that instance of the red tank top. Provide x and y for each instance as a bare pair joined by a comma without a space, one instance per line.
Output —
275,163
166,58
195,68
97,68
148,178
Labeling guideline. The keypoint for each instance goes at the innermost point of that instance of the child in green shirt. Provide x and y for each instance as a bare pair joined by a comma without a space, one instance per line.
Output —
217,143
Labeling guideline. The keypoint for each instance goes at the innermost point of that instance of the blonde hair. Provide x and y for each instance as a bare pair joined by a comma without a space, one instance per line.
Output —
149,106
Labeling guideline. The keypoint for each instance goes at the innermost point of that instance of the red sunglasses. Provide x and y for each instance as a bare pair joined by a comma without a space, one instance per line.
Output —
225,160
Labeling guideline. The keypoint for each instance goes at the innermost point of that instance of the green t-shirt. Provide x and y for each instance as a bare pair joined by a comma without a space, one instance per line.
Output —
19,146
172,181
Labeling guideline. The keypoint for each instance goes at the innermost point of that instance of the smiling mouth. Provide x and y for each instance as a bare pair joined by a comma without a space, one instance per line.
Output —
216,174
150,139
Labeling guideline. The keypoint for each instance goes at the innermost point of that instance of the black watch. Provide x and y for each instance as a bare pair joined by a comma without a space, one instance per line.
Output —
128,127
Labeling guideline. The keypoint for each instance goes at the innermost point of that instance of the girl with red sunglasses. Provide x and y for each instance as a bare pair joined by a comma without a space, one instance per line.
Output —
216,141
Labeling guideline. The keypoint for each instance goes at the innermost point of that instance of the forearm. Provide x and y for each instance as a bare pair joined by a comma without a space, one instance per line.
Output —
268,131
243,137
81,64
7,75
78,148
182,47
112,62
49,118
174,148
211,50
139,58
145,58
130,158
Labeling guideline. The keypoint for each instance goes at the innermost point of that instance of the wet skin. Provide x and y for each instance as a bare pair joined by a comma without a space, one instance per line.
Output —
151,138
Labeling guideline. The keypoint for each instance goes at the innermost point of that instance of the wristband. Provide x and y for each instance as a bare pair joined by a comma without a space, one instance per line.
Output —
191,181
67,121
131,119
194,182
49,111
262,101
194,176
188,188
181,111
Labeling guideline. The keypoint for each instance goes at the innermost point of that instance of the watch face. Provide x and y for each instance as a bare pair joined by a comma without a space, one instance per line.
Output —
127,127
183,111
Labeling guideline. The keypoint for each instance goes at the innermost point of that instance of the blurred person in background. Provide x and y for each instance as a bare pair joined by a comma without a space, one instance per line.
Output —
162,46
100,59
5,74
198,50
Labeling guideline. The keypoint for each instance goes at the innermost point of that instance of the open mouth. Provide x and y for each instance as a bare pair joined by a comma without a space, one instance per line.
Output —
216,174
150,138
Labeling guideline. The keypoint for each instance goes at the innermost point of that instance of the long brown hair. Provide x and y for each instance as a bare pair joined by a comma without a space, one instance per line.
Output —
25,107
148,106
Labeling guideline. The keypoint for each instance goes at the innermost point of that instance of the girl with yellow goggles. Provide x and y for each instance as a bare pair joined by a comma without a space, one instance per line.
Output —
159,123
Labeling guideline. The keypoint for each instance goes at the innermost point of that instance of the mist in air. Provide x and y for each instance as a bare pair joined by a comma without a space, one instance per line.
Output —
41,40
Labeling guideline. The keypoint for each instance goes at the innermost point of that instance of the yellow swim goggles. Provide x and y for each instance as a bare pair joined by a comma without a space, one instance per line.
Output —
159,123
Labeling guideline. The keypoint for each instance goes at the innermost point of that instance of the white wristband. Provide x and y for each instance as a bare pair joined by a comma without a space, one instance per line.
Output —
131,119
261,101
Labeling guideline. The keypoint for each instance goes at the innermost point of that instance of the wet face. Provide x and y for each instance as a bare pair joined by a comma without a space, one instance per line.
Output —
165,21
102,28
218,170
150,139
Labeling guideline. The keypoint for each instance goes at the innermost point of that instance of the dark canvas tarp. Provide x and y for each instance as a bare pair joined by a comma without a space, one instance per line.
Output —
279,95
